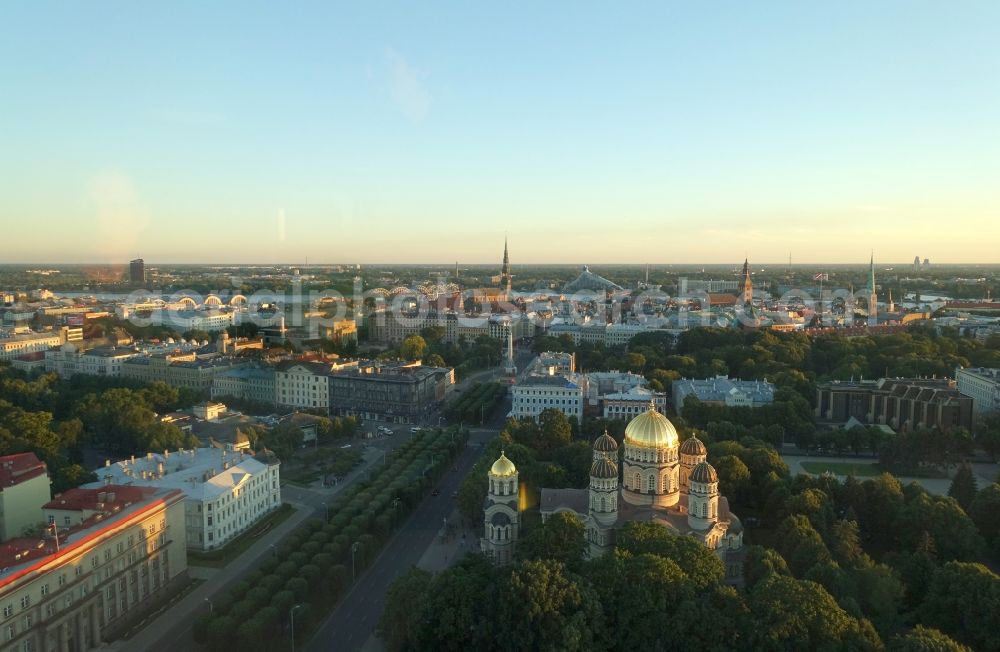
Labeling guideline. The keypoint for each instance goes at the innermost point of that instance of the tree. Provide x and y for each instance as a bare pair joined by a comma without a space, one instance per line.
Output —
963,601
761,563
924,639
555,429
734,478
791,614
953,531
985,513
402,621
413,347
543,607
963,486
560,538
695,558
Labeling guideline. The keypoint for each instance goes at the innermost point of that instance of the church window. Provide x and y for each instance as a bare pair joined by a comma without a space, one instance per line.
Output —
637,483
651,483
604,504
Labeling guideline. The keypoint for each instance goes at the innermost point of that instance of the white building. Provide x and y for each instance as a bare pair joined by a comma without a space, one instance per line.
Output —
69,359
631,403
723,391
11,347
983,386
303,385
563,392
225,491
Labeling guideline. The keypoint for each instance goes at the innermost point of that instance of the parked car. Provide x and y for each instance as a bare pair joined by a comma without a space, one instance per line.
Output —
416,429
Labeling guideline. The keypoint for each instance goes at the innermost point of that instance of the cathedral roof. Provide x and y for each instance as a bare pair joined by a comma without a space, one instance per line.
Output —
693,446
503,467
651,430
704,472
604,468
605,443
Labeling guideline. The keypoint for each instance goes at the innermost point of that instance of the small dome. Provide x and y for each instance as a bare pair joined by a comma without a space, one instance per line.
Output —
735,525
604,468
651,430
503,467
704,472
693,446
605,443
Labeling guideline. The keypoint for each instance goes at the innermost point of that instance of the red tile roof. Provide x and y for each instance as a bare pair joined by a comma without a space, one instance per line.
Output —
18,468
108,499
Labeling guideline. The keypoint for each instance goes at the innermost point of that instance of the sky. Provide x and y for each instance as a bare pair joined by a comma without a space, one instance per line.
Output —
660,132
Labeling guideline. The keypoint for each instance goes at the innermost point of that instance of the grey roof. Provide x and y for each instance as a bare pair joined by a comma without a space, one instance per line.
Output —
587,280
577,500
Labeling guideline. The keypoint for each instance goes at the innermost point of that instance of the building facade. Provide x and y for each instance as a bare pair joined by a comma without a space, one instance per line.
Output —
249,383
225,491
16,345
180,371
396,393
536,393
117,553
24,488
723,391
898,403
982,385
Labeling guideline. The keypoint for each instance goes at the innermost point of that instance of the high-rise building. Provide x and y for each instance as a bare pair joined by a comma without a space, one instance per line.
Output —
137,271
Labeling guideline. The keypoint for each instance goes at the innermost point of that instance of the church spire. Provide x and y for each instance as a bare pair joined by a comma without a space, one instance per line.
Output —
505,279
872,296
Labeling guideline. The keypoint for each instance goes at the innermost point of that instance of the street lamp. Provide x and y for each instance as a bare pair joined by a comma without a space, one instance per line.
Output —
354,551
291,615
211,607
326,512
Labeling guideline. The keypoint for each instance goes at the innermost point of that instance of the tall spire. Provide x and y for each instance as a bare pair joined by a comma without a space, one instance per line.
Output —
746,287
505,280
872,296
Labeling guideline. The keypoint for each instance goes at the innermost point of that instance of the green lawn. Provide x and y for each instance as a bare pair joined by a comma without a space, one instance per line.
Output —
860,470
236,547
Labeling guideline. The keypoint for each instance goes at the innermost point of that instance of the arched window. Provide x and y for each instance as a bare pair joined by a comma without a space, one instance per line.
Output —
651,484
665,482
637,483
511,488
604,504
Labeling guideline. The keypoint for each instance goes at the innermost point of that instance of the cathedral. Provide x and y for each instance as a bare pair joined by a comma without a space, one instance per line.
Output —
659,480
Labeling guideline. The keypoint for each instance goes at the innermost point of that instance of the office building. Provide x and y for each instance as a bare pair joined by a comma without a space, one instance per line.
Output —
224,491
723,391
137,272
910,404
399,393
109,558
983,386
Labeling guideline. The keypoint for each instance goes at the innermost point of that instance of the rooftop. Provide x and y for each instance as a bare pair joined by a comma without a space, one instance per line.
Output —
201,473
27,554
18,468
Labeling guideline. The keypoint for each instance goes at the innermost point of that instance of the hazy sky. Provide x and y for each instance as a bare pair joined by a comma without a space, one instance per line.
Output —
608,132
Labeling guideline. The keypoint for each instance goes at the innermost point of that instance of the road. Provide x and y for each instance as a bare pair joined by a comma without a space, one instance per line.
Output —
350,625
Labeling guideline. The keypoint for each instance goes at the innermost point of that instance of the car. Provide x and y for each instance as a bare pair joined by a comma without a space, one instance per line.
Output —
416,429
346,446
436,492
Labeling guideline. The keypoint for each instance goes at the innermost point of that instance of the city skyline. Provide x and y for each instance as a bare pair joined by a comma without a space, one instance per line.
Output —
183,136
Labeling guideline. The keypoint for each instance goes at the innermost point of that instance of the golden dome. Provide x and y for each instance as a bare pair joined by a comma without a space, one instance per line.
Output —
651,430
503,467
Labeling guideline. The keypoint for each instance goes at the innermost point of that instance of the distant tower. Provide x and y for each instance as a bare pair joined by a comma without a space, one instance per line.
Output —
872,296
746,286
891,307
916,263
604,481
137,271
505,278
456,271
502,516
703,497
509,367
